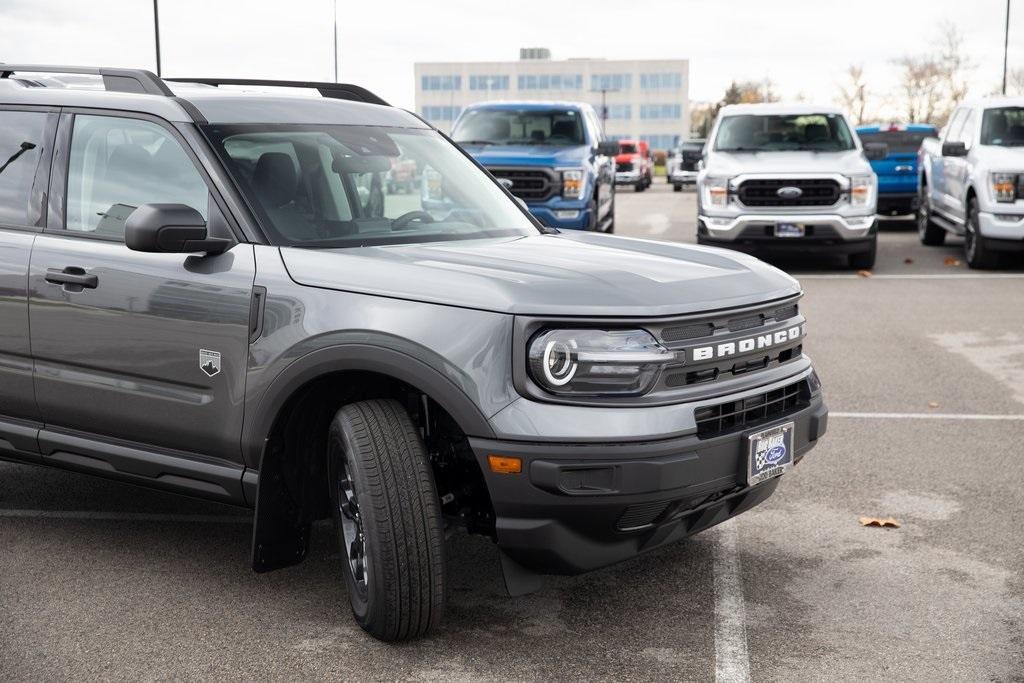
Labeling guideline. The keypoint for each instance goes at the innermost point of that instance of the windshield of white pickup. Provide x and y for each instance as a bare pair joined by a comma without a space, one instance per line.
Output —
1003,127
783,133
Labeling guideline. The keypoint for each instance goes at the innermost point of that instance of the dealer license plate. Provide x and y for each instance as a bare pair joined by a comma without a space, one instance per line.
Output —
769,453
789,230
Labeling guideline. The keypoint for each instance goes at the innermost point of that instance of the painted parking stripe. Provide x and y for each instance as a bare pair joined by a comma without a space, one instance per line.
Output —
123,516
914,276
732,659
926,416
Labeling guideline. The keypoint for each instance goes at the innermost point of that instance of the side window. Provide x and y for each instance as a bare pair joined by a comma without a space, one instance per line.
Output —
117,164
967,130
955,125
21,146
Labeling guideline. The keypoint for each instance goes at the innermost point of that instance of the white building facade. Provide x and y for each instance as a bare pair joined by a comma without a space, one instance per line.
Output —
643,99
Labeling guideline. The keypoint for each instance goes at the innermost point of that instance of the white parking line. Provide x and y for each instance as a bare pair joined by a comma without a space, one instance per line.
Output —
123,516
926,416
732,660
914,276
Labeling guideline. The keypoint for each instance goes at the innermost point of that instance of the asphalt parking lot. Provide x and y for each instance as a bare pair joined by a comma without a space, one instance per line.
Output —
923,368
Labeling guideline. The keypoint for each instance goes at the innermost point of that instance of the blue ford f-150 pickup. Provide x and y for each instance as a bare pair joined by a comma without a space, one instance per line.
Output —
552,155
897,173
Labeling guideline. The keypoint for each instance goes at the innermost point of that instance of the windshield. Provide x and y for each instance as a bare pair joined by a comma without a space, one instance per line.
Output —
349,186
627,148
559,127
1003,127
783,133
899,141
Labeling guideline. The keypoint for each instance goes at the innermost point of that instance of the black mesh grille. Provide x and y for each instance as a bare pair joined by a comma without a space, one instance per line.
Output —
641,515
813,192
527,183
671,334
737,324
786,312
751,411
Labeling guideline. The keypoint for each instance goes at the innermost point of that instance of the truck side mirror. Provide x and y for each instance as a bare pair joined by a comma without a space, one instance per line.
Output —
170,229
954,149
876,151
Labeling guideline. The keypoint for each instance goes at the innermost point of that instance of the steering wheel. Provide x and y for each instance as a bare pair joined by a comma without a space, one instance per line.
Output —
405,219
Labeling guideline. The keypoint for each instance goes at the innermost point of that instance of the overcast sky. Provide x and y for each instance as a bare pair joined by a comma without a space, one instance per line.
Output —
803,46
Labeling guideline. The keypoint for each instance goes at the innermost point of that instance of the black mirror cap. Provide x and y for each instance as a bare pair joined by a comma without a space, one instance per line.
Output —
876,151
608,148
170,229
954,149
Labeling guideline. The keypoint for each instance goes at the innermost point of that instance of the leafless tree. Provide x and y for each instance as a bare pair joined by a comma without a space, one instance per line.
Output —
1015,81
932,84
953,62
853,93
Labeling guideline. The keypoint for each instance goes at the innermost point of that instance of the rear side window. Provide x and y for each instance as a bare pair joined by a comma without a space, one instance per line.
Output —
21,147
899,141
117,164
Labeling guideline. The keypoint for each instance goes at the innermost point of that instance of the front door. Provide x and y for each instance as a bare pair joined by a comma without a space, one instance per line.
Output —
145,348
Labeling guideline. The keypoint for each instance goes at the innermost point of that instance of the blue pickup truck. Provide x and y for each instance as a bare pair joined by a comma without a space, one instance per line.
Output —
897,173
551,155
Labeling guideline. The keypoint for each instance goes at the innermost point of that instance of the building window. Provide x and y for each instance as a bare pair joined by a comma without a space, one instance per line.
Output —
441,113
488,82
661,111
663,142
611,81
660,81
550,82
441,83
620,112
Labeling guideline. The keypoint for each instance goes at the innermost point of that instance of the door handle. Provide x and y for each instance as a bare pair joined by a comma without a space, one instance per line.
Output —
71,277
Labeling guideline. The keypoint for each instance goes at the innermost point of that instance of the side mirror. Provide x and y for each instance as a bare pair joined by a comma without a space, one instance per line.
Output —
876,151
608,148
170,229
954,149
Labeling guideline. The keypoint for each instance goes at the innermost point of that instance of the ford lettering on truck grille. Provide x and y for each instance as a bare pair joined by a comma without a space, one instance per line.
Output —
746,345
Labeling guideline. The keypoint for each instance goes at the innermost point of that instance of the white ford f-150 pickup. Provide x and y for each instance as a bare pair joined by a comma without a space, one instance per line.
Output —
788,177
972,181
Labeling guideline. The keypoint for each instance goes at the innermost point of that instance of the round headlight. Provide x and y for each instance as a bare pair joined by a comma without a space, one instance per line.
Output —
560,362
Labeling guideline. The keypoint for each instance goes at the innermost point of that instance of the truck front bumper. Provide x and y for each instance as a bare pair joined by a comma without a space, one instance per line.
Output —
831,233
897,204
683,177
628,177
564,214
575,507
1003,232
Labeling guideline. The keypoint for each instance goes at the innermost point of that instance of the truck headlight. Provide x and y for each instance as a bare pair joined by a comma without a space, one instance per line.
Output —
572,184
596,362
715,191
1004,186
860,190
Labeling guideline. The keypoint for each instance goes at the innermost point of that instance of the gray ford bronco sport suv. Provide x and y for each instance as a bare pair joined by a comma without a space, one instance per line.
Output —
211,291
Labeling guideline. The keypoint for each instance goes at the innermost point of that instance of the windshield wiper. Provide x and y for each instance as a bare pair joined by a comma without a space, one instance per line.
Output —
740,149
476,142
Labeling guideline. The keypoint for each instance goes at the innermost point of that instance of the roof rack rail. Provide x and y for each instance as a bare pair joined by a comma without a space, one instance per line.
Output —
338,91
114,80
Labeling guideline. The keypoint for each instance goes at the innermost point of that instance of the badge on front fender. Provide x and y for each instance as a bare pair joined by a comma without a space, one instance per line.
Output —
769,453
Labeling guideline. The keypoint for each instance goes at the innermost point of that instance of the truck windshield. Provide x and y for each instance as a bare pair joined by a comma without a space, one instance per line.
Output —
783,133
349,186
627,148
560,127
899,141
1003,127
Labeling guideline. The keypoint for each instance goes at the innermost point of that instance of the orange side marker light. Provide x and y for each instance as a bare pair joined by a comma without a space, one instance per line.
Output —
503,464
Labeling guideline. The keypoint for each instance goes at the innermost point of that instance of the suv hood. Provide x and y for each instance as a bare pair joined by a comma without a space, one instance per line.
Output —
850,162
532,155
579,274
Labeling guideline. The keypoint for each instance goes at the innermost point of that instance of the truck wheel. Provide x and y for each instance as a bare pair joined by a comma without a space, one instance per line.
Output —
930,234
640,186
677,188
865,260
610,228
387,520
976,251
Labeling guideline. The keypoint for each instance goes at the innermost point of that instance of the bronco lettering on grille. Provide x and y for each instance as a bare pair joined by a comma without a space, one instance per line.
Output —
746,345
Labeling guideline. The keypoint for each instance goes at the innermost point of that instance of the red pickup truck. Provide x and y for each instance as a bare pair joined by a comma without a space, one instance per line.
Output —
633,164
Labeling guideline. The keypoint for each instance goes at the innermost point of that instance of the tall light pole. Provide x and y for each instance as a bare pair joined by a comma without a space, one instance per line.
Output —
335,41
156,30
604,106
1006,44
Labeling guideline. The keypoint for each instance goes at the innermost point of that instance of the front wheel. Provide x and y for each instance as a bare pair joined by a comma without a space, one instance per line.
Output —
865,260
387,520
976,251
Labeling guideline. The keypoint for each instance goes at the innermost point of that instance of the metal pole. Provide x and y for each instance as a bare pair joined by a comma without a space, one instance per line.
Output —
335,41
156,29
1006,44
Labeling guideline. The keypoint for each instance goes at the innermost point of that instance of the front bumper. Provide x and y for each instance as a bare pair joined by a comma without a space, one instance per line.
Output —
628,177
1008,227
580,506
760,226
683,177
564,214
897,204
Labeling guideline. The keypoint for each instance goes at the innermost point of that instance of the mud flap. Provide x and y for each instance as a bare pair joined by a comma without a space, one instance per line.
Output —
518,579
280,538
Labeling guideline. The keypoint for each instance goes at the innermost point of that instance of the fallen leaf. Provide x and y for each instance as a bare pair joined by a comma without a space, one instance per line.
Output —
876,521
864,273
908,261
933,404
951,261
